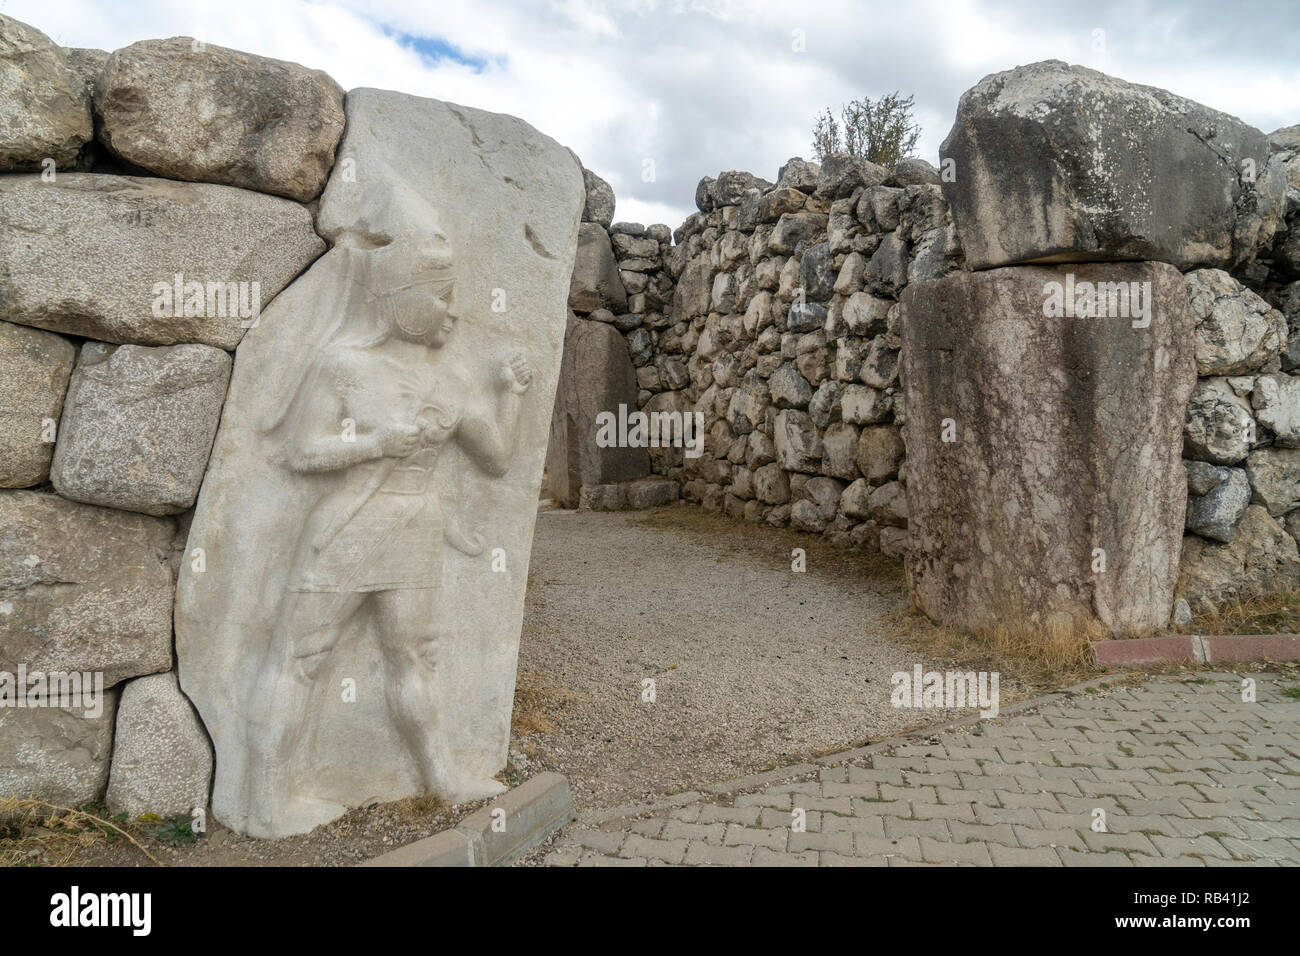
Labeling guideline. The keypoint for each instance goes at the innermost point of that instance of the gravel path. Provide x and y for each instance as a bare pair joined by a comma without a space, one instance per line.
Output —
754,665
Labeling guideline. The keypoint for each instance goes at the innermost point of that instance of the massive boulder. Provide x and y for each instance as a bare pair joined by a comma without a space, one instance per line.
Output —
1058,163
44,108
200,112
103,257
595,283
1050,449
138,425
57,754
83,588
596,377
369,504
34,371
162,758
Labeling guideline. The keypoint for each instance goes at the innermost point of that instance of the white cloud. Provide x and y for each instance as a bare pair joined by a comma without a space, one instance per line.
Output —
697,86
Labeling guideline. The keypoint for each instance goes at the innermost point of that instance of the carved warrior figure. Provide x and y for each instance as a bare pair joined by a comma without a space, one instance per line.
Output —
372,414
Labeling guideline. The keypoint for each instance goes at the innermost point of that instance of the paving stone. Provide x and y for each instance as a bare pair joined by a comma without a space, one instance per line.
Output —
670,851
737,835
831,858
706,832
711,813
841,842
606,841
939,851
1014,856
1159,758
765,857
705,854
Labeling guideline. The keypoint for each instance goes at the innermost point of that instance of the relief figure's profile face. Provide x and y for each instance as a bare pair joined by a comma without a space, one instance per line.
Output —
423,312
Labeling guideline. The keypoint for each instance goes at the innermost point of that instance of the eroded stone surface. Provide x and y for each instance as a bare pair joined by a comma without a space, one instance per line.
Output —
138,425
162,759
596,283
57,754
1062,163
44,106
369,505
101,256
83,588
1065,438
204,113
596,377
1260,559
34,371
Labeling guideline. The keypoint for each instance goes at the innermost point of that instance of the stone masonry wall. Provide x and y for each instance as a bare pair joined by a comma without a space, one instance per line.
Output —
153,232
1242,439
775,316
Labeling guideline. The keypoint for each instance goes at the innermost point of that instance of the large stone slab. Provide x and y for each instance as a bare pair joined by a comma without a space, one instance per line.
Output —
1066,438
138,425
34,371
162,758
57,754
369,506
596,376
1062,163
203,113
596,283
44,107
100,256
83,588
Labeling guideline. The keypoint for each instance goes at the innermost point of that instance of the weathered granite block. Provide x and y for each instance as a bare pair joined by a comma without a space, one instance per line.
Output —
162,759
44,108
596,377
1061,163
138,425
146,261
83,588
57,754
34,371
1043,449
203,113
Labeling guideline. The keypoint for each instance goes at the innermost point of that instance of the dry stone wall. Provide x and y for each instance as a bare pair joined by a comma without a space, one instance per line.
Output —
772,317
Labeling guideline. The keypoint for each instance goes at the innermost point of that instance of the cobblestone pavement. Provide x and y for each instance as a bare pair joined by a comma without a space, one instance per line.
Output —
1186,773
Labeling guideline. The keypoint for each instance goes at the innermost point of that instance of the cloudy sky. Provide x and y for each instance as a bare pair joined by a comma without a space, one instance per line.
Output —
654,94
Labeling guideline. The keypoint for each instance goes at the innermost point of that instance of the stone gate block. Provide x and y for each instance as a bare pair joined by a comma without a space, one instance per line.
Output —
1040,447
596,376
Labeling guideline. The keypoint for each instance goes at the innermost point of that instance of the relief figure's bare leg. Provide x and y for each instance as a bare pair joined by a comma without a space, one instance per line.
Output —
308,627
405,623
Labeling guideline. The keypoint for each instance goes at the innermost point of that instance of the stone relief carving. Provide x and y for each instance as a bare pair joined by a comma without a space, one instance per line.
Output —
374,412
367,515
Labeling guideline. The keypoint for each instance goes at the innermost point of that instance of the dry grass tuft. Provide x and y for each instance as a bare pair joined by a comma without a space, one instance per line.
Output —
1044,657
1277,613
34,832
417,809
539,704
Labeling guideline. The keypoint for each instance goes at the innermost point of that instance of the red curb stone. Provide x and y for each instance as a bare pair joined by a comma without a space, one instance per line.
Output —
1253,647
1145,650
1191,649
